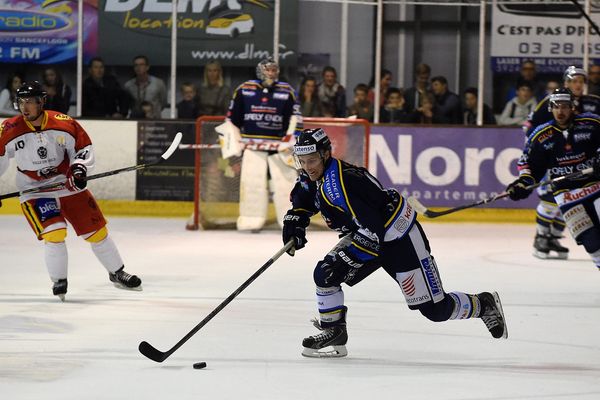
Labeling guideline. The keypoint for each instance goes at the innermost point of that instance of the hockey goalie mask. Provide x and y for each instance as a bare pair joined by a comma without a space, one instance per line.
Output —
267,71
311,151
28,93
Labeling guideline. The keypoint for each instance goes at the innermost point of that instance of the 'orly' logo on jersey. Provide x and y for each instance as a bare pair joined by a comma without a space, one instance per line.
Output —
42,152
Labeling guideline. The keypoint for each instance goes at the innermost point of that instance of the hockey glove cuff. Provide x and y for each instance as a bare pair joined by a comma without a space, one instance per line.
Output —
518,189
294,227
76,177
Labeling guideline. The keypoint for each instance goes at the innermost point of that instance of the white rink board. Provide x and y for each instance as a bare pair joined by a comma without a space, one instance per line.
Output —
86,348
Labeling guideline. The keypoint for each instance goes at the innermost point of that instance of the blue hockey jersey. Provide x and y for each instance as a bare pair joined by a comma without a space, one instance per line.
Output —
264,112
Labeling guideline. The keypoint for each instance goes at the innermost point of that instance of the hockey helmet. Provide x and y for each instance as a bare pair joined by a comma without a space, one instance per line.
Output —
573,71
312,141
560,95
261,70
30,89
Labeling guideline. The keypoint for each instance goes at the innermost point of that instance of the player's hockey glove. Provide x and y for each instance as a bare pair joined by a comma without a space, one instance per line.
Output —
76,177
518,189
294,227
346,260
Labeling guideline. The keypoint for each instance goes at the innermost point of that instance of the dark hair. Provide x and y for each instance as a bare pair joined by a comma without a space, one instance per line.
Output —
472,91
384,72
329,68
315,95
440,79
528,61
95,59
361,86
59,79
10,79
141,57
524,83
422,69
393,90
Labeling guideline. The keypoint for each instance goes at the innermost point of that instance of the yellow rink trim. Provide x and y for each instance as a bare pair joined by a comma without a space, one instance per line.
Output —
183,209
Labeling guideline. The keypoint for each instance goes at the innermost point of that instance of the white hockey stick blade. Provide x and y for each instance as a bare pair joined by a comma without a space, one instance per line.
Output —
417,205
172,147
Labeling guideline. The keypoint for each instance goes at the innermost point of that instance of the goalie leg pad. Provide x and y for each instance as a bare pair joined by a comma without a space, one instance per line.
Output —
281,184
254,198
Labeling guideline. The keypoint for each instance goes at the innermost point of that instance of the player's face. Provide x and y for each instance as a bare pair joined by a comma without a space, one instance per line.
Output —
31,108
313,164
562,113
576,85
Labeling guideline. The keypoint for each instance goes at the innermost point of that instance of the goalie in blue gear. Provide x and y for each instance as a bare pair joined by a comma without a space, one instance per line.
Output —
379,230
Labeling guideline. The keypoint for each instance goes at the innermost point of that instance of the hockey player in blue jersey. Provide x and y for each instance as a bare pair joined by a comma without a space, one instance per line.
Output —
266,114
379,229
549,221
568,143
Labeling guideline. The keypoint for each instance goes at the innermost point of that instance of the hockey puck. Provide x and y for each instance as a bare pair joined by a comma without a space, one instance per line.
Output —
200,365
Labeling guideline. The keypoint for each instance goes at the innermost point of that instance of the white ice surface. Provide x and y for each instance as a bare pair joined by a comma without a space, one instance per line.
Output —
86,348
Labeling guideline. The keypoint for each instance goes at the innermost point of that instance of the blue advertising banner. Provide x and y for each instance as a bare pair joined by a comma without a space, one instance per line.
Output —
445,166
45,31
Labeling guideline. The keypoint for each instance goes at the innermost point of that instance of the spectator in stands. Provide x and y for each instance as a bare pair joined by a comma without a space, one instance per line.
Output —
384,84
447,108
189,106
395,111
214,95
147,110
426,113
518,108
594,80
361,107
145,88
310,105
332,94
414,95
528,72
8,95
103,97
551,86
470,112
58,97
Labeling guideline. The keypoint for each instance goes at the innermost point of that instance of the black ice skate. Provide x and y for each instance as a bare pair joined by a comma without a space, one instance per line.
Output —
492,314
60,289
123,280
331,342
544,244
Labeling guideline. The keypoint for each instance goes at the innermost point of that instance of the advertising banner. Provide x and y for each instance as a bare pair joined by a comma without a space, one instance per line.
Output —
549,33
447,167
45,31
233,32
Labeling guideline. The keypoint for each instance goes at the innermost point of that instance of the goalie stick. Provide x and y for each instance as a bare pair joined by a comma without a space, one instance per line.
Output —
159,356
421,209
165,156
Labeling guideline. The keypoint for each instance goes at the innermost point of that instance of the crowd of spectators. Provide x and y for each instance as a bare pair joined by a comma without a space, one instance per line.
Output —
428,101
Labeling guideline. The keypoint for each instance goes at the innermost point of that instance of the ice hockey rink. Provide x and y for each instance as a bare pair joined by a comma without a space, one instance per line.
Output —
86,347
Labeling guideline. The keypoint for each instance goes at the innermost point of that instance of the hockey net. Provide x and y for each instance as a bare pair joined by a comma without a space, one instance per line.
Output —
217,181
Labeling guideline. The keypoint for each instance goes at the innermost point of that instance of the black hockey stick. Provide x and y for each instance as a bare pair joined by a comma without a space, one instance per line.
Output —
165,156
421,209
159,356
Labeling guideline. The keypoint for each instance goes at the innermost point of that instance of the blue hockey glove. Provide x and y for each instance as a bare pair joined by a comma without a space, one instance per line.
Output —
294,227
76,177
517,190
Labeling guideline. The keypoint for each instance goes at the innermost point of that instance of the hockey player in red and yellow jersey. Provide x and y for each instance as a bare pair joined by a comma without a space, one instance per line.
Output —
52,148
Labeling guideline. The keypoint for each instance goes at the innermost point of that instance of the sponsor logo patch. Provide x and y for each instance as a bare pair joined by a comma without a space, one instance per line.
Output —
46,209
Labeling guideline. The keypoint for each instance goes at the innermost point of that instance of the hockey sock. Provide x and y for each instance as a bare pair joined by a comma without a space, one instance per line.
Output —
107,253
57,258
331,304
596,258
465,306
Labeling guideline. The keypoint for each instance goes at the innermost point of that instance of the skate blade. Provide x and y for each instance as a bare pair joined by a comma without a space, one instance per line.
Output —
123,287
499,305
61,297
549,256
335,352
